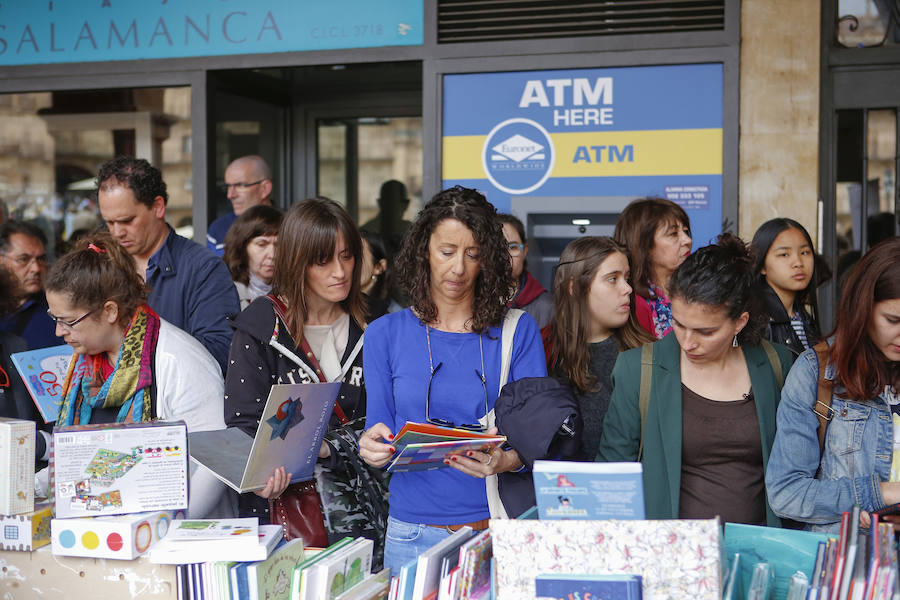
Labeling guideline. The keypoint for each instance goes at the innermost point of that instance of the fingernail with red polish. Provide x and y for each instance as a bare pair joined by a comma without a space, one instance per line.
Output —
453,458
469,454
390,437
393,450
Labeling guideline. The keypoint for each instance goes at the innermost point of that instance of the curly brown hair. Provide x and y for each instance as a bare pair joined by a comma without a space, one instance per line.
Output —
493,284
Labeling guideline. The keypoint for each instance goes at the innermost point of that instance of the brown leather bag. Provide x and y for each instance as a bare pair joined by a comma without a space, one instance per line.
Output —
299,512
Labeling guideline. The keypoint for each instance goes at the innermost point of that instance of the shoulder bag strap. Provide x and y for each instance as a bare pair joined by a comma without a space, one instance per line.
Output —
822,407
506,342
774,361
644,398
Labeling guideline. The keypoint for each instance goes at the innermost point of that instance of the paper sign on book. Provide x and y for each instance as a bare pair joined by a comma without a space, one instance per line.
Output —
43,371
589,490
290,432
422,446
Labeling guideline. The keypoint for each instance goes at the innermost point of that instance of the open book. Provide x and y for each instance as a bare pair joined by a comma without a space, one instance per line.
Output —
290,432
422,446
44,371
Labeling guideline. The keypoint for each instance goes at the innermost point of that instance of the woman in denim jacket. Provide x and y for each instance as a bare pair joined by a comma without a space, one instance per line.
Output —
862,369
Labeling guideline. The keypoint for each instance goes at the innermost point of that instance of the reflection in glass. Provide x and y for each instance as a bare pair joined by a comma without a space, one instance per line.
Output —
867,23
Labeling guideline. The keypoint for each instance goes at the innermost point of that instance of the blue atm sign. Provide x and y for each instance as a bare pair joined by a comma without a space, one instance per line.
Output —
60,31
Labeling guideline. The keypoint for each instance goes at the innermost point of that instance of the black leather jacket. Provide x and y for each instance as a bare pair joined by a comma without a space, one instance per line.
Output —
779,329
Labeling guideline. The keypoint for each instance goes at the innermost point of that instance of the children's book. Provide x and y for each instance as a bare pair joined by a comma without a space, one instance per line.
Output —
560,586
44,371
290,433
334,574
475,567
271,579
422,446
375,587
407,578
589,490
428,570
301,571
173,552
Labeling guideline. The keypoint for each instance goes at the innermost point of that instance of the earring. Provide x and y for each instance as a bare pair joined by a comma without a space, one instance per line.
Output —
374,277
734,342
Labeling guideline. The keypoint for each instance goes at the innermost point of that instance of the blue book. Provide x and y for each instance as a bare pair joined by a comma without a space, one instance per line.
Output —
561,586
44,372
407,579
589,490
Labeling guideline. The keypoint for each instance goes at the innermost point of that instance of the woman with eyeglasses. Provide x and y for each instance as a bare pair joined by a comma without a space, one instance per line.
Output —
130,365
529,294
439,362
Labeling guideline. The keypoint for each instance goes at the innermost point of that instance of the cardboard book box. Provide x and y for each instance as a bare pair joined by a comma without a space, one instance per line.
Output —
27,532
112,469
123,536
16,466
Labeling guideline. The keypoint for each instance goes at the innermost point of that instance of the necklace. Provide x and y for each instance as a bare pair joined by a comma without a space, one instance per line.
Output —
431,363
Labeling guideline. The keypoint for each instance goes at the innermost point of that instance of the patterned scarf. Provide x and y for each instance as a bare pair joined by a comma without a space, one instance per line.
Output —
661,310
126,388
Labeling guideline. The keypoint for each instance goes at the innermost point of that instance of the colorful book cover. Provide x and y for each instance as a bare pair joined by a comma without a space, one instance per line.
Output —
475,567
422,446
44,371
787,550
675,558
271,578
589,490
123,537
428,571
290,432
587,587
300,575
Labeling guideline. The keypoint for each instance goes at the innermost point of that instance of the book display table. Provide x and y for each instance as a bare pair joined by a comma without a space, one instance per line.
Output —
40,574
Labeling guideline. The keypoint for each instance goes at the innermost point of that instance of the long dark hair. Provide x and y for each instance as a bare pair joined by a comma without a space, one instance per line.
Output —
636,229
861,368
258,220
98,270
308,235
379,291
570,355
763,240
721,275
494,281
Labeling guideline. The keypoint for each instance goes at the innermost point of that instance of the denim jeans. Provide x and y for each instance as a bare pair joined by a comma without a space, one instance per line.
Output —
405,541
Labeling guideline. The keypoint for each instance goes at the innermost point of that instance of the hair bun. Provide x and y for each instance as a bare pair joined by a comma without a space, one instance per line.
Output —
735,249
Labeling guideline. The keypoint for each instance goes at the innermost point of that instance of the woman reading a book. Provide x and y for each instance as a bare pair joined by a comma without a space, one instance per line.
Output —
130,365
822,466
594,321
712,389
309,329
439,362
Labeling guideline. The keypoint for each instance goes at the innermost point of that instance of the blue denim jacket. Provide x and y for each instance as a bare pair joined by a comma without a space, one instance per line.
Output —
856,457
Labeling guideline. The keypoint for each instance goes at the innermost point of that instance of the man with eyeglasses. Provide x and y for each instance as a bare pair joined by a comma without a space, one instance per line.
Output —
23,253
248,182
190,286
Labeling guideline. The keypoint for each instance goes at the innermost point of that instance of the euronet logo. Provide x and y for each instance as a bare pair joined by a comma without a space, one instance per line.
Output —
518,156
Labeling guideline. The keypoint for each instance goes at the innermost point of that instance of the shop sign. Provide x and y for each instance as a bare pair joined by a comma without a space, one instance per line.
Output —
62,31
590,133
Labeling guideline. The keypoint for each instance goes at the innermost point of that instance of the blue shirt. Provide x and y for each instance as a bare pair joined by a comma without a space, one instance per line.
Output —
192,289
215,235
396,356
32,323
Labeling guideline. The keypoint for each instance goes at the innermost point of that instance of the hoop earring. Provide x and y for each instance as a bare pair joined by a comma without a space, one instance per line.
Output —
734,342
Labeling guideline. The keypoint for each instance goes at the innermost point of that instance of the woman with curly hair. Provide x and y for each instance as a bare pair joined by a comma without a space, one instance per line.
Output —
439,362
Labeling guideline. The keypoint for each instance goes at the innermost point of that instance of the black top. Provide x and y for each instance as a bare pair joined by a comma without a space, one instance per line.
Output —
595,403
779,329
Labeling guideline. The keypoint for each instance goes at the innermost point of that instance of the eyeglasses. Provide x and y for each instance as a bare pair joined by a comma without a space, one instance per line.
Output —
239,186
434,370
515,249
68,325
23,260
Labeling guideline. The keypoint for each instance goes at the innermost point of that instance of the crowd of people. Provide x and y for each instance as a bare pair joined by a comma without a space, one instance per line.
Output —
709,367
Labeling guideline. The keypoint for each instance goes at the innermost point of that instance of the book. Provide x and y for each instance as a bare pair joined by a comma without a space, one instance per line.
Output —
174,552
852,547
428,569
732,580
375,587
407,578
560,586
422,446
589,490
331,576
43,371
301,571
270,579
290,432
475,566
17,438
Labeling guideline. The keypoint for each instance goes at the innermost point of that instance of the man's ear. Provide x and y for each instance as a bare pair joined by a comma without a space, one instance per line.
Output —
159,207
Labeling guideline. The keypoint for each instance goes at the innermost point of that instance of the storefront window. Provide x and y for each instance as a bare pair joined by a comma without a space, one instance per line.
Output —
868,23
54,143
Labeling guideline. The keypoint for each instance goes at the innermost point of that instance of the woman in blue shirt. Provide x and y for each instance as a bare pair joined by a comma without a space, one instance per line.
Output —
439,361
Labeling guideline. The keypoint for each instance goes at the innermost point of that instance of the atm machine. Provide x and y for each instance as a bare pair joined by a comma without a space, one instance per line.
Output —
552,222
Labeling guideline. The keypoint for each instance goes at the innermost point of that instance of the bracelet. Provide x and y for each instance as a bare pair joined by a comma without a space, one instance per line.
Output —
521,468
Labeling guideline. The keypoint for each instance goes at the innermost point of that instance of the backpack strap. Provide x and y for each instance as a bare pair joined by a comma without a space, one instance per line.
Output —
822,407
644,398
774,361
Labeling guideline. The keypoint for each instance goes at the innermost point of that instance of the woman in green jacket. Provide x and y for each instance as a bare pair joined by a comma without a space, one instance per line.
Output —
714,387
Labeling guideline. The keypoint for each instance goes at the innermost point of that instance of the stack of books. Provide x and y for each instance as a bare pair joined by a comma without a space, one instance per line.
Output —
343,570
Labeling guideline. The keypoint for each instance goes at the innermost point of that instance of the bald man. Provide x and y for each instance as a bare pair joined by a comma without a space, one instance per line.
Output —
248,182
